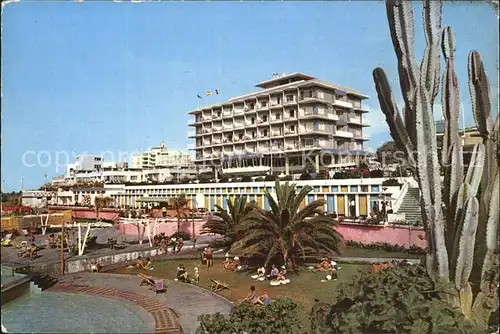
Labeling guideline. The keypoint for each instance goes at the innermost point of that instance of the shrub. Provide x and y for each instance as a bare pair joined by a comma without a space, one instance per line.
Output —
280,316
398,300
391,182
287,178
413,249
183,234
271,177
376,173
246,178
223,179
305,176
259,179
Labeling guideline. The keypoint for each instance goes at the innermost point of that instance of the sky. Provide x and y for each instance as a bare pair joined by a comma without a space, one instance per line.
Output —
121,77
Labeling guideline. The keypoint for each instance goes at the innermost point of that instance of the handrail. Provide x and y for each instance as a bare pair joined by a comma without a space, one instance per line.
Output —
401,196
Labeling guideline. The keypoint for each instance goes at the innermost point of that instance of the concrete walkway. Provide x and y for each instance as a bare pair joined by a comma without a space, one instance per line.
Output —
187,300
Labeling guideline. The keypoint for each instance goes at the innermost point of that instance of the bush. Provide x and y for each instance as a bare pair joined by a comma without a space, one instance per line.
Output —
259,179
391,182
270,178
413,249
376,173
305,176
287,178
246,178
182,234
223,179
280,316
399,300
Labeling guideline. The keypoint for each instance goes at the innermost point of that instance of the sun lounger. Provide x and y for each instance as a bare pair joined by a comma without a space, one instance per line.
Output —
218,286
157,285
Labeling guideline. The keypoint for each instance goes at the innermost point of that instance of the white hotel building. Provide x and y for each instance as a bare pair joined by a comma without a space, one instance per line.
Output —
269,130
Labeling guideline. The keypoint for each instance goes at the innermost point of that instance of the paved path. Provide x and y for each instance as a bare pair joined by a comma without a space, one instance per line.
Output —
187,300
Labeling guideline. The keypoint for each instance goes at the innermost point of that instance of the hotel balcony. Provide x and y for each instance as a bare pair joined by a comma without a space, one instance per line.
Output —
344,104
206,118
238,125
361,110
216,128
290,103
362,137
227,113
357,121
343,134
291,132
291,147
251,150
263,107
207,130
227,126
249,110
275,105
261,121
276,134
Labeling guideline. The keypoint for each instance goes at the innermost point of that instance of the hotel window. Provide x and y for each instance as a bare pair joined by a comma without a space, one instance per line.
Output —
375,189
197,191
264,118
316,189
218,113
278,116
270,189
289,98
263,103
252,106
240,136
354,189
292,113
255,190
335,189
292,128
364,189
264,133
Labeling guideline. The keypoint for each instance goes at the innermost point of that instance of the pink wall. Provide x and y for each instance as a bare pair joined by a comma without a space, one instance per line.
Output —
394,235
366,234
169,228
91,215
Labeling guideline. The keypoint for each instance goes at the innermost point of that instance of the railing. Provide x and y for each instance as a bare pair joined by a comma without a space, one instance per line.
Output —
342,104
344,134
402,194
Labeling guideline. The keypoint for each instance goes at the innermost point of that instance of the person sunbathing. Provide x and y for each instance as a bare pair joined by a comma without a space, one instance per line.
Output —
252,296
138,264
281,274
182,274
273,274
325,265
264,299
33,251
148,265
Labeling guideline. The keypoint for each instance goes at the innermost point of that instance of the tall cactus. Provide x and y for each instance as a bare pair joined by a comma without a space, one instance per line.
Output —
460,215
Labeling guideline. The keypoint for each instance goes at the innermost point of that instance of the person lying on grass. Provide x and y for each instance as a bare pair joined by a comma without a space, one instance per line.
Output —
326,265
231,265
139,263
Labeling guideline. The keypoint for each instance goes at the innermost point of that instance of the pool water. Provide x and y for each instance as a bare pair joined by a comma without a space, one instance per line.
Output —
8,275
51,312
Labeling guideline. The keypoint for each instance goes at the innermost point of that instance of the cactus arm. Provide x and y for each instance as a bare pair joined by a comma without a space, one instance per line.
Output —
400,17
429,177
392,115
491,231
476,168
480,94
466,245
430,67
451,111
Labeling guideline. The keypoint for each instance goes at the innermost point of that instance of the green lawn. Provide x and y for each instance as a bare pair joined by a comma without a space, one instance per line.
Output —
303,288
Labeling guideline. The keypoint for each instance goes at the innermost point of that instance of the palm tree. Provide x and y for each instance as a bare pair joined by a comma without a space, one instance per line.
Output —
179,205
101,202
227,220
286,230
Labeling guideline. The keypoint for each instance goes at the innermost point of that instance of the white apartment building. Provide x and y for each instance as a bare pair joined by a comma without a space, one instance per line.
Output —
293,120
161,157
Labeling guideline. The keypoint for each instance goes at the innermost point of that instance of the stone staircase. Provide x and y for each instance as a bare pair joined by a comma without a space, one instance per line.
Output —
43,282
410,206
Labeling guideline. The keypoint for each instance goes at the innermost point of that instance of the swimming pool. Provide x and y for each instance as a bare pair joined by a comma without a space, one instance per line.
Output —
52,312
